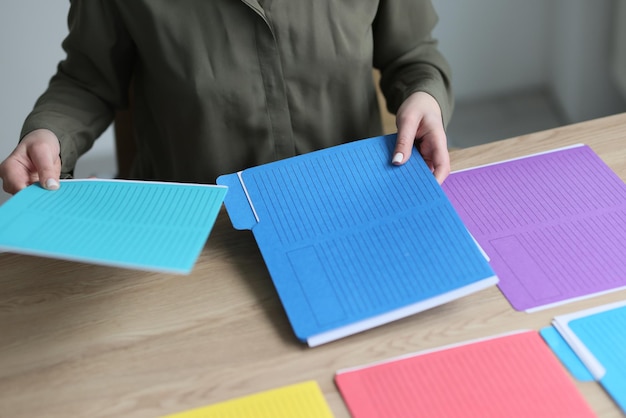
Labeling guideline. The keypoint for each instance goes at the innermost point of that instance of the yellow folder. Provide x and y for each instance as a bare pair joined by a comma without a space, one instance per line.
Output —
300,400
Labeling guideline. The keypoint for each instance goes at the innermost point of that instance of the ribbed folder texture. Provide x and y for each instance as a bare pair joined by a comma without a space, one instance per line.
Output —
302,400
143,225
553,224
603,335
508,376
352,241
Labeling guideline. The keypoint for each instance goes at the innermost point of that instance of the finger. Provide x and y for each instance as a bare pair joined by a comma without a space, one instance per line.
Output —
407,129
47,164
14,175
434,150
441,166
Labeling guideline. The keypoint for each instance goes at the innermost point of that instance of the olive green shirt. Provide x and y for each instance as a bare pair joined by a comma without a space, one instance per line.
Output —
221,85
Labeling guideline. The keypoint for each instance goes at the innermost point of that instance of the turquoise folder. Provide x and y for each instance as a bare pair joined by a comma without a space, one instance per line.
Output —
132,224
592,345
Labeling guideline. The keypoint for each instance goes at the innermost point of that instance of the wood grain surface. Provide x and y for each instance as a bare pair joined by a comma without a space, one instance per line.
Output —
80,340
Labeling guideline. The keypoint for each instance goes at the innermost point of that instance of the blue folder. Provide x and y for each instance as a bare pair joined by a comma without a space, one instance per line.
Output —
592,345
351,241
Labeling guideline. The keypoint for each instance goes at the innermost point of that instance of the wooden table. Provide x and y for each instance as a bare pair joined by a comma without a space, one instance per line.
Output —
80,340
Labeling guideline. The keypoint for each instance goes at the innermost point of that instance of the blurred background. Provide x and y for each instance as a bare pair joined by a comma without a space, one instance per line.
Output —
518,67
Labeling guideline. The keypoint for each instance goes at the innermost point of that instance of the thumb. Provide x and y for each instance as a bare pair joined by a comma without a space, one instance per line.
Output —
48,177
48,165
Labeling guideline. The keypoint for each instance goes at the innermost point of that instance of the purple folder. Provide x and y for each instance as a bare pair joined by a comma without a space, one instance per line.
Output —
553,224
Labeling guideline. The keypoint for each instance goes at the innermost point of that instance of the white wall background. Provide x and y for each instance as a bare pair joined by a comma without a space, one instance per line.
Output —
583,39
31,32
495,47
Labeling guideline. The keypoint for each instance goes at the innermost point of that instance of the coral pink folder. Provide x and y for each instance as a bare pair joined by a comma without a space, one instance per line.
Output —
515,375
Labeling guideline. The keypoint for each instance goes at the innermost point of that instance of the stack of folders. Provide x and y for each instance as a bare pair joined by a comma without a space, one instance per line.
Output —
351,241
592,345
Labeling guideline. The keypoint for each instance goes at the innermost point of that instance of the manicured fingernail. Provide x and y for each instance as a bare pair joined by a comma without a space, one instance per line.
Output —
52,184
397,159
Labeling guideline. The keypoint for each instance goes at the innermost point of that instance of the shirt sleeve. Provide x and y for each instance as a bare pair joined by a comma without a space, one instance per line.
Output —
408,56
90,83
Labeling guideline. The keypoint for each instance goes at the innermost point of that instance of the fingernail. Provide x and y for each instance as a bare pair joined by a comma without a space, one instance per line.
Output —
397,159
52,184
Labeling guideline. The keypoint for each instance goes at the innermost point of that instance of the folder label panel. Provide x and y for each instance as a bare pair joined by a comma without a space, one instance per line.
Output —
319,293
